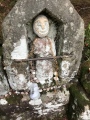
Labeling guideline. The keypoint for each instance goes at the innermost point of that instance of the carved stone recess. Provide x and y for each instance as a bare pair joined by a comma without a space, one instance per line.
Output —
67,31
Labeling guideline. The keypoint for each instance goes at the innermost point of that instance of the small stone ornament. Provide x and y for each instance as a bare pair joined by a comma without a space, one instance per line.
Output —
34,91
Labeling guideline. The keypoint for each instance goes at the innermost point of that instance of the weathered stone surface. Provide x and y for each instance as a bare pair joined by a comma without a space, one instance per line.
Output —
25,112
16,109
66,29
70,34
4,87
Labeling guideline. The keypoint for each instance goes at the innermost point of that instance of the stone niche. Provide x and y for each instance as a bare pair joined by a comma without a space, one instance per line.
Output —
67,31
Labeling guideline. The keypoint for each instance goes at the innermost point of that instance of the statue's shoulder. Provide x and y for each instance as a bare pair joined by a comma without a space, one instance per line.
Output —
36,40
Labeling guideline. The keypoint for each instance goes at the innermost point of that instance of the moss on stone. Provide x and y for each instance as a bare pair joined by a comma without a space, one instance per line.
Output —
86,52
84,68
2,113
85,76
77,102
14,99
86,86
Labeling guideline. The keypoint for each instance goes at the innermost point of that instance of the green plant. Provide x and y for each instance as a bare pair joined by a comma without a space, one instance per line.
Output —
87,44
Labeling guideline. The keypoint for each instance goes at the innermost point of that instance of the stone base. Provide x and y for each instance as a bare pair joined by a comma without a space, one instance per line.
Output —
24,111
27,114
51,102
18,106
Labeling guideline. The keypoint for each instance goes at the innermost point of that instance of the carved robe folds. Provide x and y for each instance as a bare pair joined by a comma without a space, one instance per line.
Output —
44,47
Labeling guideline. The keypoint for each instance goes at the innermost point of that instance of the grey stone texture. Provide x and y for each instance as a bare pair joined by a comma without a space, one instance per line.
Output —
69,38
26,112
66,29
4,87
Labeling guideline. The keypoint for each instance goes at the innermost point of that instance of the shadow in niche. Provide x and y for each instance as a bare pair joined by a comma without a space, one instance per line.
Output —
56,33
4,71
2,66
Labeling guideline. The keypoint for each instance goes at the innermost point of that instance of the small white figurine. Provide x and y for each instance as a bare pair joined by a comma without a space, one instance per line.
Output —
34,91
43,47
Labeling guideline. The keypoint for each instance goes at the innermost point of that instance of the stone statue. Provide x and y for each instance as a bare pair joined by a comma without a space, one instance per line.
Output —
43,47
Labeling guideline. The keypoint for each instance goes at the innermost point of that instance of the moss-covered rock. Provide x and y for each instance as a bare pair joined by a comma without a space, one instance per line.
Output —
77,102
85,76
86,53
14,99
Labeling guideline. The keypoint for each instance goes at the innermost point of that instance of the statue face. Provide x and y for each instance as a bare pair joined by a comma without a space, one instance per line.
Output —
41,26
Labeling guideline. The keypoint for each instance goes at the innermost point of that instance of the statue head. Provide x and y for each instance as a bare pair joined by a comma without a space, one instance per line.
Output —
41,26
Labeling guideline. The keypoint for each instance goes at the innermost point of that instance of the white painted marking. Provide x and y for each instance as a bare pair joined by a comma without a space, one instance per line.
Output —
20,49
